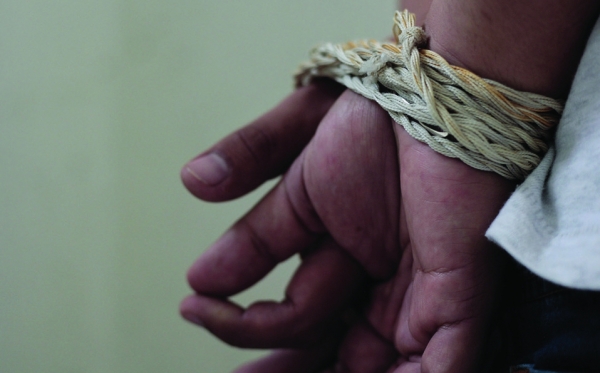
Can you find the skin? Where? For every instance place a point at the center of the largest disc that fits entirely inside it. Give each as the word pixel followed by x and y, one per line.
pixel 396 273
pixel 532 45
pixel 414 233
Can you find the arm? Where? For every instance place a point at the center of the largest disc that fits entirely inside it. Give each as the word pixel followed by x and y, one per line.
pixel 532 46
pixel 443 261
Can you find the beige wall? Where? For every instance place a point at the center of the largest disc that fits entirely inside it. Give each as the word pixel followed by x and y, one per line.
pixel 101 102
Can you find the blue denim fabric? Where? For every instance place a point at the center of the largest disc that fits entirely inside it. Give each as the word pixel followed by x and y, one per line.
pixel 550 328
pixel 528 368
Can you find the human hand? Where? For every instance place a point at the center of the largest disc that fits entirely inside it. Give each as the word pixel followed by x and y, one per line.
pixel 363 202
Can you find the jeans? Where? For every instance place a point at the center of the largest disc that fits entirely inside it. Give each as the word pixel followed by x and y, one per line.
pixel 550 328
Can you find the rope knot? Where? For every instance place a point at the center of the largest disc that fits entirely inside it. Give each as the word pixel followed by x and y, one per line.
pixel 405 31
pixel 483 123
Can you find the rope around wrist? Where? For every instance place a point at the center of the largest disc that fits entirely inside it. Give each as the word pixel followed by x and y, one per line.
pixel 485 124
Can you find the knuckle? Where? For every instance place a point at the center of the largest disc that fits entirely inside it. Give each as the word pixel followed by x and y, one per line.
pixel 256 142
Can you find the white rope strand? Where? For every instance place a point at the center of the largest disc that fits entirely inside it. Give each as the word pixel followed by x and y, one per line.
pixel 485 124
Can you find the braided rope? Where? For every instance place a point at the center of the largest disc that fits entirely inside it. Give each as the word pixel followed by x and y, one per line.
pixel 485 124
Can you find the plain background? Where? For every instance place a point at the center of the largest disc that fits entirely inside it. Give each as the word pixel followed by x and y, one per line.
pixel 101 103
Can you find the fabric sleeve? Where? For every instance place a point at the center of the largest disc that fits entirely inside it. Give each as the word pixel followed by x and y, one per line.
pixel 551 223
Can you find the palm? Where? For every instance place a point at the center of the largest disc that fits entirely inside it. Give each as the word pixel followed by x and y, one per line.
pixel 411 219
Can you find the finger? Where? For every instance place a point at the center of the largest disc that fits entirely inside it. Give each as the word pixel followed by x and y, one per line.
pixel 461 345
pixel 307 360
pixel 263 149
pixel 448 317
pixel 280 225
pixel 387 297
pixel 455 269
pixel 364 350
pixel 288 361
pixel 324 284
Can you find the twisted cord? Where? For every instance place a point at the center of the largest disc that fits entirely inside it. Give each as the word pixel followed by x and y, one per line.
pixel 485 124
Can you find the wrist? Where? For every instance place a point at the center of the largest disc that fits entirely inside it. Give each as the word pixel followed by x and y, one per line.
pixel 532 46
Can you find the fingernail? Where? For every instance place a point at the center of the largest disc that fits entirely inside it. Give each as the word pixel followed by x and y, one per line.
pixel 211 169
pixel 193 319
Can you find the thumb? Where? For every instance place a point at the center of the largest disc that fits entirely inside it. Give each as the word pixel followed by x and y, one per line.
pixel 261 150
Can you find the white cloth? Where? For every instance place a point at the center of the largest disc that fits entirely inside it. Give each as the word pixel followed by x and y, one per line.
pixel 551 223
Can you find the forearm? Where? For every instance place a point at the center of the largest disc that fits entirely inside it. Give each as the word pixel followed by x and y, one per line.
pixel 418 7
pixel 532 45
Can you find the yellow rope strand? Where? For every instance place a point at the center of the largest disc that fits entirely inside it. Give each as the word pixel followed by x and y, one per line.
pixel 485 124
